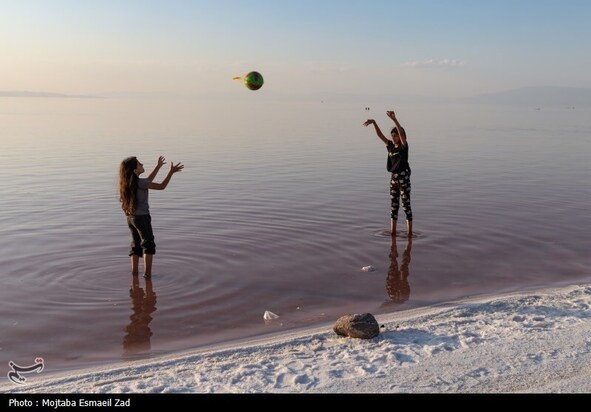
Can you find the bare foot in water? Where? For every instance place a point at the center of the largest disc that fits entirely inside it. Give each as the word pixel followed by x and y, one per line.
pixel 409 227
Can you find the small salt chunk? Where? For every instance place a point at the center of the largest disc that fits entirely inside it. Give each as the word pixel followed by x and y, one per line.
pixel 270 315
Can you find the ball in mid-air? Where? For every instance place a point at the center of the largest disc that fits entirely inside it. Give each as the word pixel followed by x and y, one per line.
pixel 253 80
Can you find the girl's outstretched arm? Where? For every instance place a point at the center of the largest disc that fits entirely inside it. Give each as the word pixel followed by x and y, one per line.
pixel 401 131
pixel 377 129
pixel 159 164
pixel 173 169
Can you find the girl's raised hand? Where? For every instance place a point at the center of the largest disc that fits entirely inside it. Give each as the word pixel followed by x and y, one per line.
pixel 368 122
pixel 391 114
pixel 161 161
pixel 176 168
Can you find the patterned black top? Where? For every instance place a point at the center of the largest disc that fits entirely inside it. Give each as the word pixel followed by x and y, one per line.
pixel 397 158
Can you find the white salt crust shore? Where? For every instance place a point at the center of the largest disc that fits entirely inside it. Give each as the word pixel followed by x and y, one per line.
pixel 523 342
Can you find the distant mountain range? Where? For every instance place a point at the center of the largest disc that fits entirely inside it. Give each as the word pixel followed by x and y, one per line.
pixel 536 96
pixel 42 94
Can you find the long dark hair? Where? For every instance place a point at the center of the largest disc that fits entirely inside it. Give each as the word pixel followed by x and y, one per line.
pixel 128 182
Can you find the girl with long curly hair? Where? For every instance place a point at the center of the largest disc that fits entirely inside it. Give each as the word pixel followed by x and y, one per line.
pixel 133 195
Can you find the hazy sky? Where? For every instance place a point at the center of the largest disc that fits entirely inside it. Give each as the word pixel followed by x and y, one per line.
pixel 419 47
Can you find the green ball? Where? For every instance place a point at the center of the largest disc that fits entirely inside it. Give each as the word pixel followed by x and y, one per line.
pixel 253 80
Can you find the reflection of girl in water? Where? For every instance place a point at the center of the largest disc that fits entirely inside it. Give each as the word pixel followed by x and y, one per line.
pixel 397 284
pixel 137 332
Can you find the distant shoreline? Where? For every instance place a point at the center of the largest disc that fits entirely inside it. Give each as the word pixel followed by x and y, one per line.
pixel 529 96
pixel 4 93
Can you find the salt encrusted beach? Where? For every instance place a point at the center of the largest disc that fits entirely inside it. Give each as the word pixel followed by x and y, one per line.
pixel 536 341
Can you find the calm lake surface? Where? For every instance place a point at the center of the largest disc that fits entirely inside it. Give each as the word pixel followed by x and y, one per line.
pixel 280 205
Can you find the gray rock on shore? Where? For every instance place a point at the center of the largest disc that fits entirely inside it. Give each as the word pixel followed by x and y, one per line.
pixel 361 326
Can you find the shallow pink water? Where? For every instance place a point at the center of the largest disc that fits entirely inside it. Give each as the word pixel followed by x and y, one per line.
pixel 274 211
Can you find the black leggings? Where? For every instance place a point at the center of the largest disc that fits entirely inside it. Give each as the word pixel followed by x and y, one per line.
pixel 400 189
pixel 142 237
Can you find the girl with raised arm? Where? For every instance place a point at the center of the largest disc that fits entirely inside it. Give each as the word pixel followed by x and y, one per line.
pixel 133 195
pixel 399 167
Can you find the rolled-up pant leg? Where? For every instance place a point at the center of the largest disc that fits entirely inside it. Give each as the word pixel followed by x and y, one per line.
pixel 142 235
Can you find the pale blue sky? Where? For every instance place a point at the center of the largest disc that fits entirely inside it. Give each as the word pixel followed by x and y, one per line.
pixel 428 47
